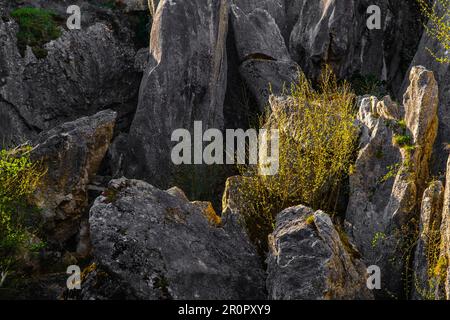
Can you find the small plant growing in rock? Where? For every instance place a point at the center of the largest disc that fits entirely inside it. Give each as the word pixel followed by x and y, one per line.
pixel 37 27
pixel 438 14
pixel 310 220
pixel 402 140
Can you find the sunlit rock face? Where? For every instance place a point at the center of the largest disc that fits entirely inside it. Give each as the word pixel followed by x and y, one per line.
pixel 390 177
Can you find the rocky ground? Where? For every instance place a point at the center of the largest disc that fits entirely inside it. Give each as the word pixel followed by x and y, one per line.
pixel 104 101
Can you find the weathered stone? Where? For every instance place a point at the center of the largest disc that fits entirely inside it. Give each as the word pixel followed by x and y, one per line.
pixel 309 260
pixel 335 33
pixel 427 251
pixel 84 72
pixel 443 270
pixel 442 74
pixel 185 83
pixel 266 77
pixel 389 179
pixel 156 245
pixel 72 154
pixel 276 8
pixel 135 5
pixel 257 36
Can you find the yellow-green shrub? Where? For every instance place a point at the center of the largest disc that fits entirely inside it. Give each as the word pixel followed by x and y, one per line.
pixel 19 178
pixel 439 24
pixel 316 149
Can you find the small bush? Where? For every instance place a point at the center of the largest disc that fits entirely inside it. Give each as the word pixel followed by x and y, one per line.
pixel 19 178
pixel 37 27
pixel 403 140
pixel 316 149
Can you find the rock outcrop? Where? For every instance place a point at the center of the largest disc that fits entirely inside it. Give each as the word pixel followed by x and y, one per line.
pixel 335 32
pixel 428 247
pixel 443 266
pixel 265 63
pixel 154 244
pixel 442 73
pixel 309 260
pixel 185 82
pixel 72 154
pixel 390 176
pixel 85 71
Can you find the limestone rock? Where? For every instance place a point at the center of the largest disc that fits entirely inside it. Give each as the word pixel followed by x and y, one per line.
pixel 72 154
pixel 85 71
pixel 185 82
pixel 308 260
pixel 442 74
pixel 154 245
pixel 428 249
pixel 335 33
pixel 390 176
pixel 444 260
pixel 265 64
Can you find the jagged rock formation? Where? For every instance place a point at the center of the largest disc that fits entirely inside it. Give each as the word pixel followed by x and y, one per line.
pixel 432 257
pixel 85 71
pixel 185 82
pixel 308 260
pixel 443 269
pixel 427 251
pixel 72 154
pixel 442 73
pixel 335 32
pixel 155 244
pixel 390 175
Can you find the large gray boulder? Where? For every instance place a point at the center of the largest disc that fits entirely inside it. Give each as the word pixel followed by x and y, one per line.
pixel 310 260
pixel 155 244
pixel 72 154
pixel 185 82
pixel 390 176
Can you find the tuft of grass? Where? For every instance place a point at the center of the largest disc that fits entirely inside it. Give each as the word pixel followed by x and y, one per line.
pixel 310 220
pixel 402 140
pixel 36 28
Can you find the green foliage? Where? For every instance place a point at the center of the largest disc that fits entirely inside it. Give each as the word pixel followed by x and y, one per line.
pixel 403 140
pixel 19 178
pixel 310 220
pixel 439 25
pixel 316 149
pixel 392 172
pixel 379 236
pixel 37 27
